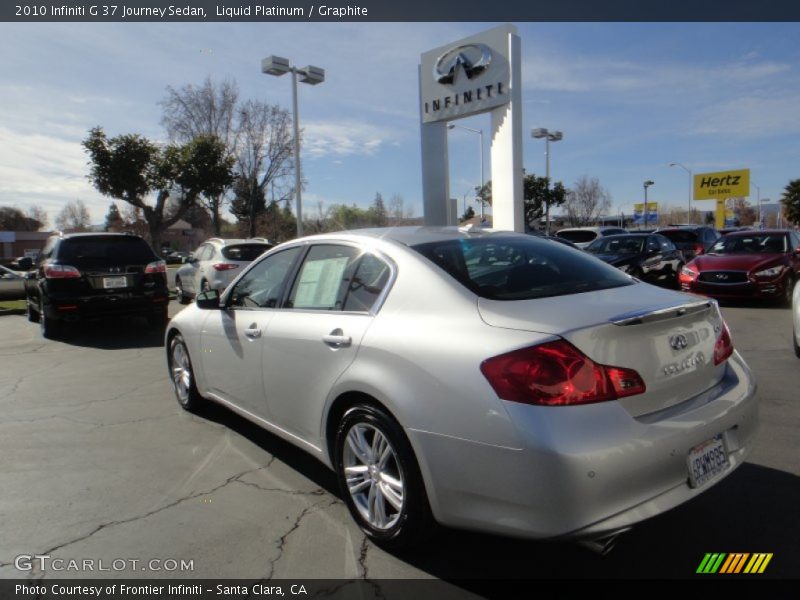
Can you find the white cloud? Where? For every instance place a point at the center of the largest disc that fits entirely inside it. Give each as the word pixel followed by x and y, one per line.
pixel 345 138
pixel 756 116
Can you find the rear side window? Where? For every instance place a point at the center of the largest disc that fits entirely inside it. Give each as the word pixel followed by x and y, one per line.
pixel 367 284
pixel 323 278
pixel 577 236
pixel 244 252
pixel 511 268
pixel 83 252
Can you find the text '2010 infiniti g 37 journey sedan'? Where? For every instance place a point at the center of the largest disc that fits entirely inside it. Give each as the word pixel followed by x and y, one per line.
pixel 485 380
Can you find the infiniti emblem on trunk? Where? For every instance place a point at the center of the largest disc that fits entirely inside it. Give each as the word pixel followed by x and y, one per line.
pixel 678 342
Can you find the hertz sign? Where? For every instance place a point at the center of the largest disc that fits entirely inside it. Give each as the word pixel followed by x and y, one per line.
pixel 722 184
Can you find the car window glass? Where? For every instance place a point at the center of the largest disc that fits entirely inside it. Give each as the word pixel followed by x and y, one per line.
pixel 244 252
pixel 666 245
pixel 208 253
pixel 263 285
pixel 324 277
pixel 199 252
pixel 514 268
pixel 368 281
pixel 105 250
pixel 653 245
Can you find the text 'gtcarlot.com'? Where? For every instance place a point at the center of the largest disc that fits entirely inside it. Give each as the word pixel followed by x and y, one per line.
pixel 43 562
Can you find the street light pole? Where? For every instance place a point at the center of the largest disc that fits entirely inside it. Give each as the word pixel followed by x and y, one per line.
pixel 691 188
pixel 758 201
pixel 480 133
pixel 549 136
pixel 647 184
pixel 277 65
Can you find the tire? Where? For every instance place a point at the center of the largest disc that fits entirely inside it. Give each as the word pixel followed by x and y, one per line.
pixel 51 329
pixel 204 286
pixel 30 312
pixel 385 493
pixel 182 375
pixel 788 289
pixel 181 295
pixel 794 343
pixel 159 319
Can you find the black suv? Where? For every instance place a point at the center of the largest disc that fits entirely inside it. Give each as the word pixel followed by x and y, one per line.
pixel 84 275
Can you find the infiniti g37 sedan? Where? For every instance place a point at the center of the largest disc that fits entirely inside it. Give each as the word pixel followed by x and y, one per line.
pixel 483 380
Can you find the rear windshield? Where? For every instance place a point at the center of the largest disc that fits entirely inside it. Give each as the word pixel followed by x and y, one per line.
pixel 680 236
pixel 577 236
pixel 101 251
pixel 618 244
pixel 244 252
pixel 773 243
pixel 520 268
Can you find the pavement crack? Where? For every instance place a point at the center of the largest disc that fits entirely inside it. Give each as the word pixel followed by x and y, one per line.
pixel 172 504
pixel 316 492
pixel 362 559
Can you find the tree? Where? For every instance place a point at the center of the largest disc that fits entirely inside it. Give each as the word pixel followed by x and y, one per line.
pixel 74 217
pixel 131 167
pixel 745 214
pixel 397 210
pixel 37 214
pixel 204 110
pixel 469 213
pixel 13 219
pixel 535 193
pixel 263 156
pixel 587 201
pixel 114 221
pixel 791 201
pixel 378 216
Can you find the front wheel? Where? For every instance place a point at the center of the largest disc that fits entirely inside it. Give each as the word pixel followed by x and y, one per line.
pixel 180 367
pixel 179 292
pixel 30 312
pixel 379 478
pixel 51 328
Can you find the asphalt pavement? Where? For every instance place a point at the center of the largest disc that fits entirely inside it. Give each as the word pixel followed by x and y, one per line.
pixel 100 463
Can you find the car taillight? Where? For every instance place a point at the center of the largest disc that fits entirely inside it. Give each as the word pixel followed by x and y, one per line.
pixel 724 346
pixel 224 266
pixel 698 249
pixel 61 272
pixel 158 266
pixel 558 374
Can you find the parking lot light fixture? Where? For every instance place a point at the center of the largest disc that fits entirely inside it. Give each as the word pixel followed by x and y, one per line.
pixel 647 184
pixel 549 136
pixel 691 188
pixel 278 65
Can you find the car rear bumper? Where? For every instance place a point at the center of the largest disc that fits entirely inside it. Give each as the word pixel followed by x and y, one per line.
pixel 585 471
pixel 70 308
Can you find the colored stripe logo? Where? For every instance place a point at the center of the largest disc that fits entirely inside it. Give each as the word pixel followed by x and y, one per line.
pixel 735 562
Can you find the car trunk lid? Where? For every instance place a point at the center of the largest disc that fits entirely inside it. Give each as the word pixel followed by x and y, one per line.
pixel 667 337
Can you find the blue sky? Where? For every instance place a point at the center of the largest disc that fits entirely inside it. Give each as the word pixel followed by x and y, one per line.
pixel 630 98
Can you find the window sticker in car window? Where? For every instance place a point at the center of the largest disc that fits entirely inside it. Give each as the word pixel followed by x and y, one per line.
pixel 320 282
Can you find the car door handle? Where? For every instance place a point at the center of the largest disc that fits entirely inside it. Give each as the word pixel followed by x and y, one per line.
pixel 252 332
pixel 337 341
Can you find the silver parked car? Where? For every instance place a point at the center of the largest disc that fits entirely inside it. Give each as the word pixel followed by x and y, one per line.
pixel 12 284
pixel 483 380
pixel 216 263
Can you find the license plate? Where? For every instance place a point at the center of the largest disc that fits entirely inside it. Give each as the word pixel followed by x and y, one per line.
pixel 707 461
pixel 115 282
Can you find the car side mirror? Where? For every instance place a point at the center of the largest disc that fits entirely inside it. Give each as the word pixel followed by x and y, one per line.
pixel 208 300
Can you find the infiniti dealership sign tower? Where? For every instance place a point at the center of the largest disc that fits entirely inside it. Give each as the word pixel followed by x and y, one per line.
pixel 477 74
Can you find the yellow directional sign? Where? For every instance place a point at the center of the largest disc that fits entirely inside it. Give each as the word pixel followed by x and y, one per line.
pixel 722 184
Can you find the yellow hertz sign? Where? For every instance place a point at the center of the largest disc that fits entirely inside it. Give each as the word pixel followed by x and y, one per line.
pixel 722 184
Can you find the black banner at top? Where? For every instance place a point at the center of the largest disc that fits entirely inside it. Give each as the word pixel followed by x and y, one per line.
pixel 394 10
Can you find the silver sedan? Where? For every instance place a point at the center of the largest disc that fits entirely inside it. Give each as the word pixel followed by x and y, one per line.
pixel 482 380
pixel 12 284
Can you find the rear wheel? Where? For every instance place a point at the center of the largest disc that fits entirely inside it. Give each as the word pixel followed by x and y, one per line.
pixel 51 328
pixel 180 366
pixel 30 312
pixel 794 343
pixel 379 478
pixel 181 295
pixel 788 290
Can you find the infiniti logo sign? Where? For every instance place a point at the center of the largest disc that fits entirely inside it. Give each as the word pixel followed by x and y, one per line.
pixel 473 59
pixel 678 342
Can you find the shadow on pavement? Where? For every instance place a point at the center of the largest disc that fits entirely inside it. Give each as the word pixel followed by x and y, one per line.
pixel 112 334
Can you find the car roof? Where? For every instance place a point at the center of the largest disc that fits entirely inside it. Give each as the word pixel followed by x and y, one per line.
pixel 758 232
pixel 413 235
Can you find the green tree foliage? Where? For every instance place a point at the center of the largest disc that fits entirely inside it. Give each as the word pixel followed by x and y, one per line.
pixel 379 217
pixel 791 201
pixel 13 219
pixel 131 168
pixel 535 195
pixel 114 220
pixel 249 202
pixel 468 214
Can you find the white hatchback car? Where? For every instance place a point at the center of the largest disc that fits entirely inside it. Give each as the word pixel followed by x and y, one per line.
pixel 216 263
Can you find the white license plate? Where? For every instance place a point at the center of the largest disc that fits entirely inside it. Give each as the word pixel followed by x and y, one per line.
pixel 115 282
pixel 707 461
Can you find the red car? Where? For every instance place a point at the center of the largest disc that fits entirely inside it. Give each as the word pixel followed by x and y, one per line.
pixel 746 264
